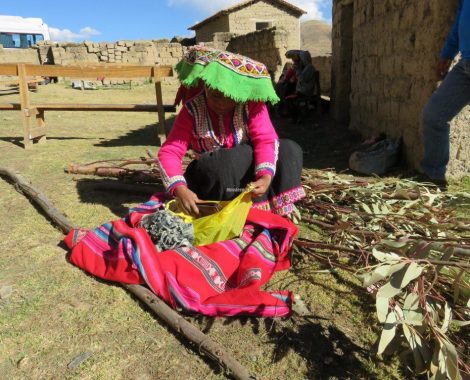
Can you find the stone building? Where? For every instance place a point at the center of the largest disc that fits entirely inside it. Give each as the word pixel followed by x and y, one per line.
pixel 383 70
pixel 250 16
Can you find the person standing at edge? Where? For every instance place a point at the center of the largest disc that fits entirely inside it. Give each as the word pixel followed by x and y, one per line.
pixel 448 100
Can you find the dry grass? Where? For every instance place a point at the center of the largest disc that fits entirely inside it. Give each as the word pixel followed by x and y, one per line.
pixel 56 312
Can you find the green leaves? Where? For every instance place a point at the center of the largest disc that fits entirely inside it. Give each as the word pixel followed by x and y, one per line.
pixel 385 257
pixel 415 249
pixel 381 305
pixel 420 350
pixel 380 273
pixel 398 273
pixel 389 331
pixel 412 312
pixel 400 280
pixel 445 361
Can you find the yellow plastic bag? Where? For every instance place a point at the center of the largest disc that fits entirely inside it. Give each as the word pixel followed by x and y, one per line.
pixel 222 225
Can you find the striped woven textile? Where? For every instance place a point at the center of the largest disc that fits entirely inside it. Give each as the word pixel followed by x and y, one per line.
pixel 220 279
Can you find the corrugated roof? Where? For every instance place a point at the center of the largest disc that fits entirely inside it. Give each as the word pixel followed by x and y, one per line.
pixel 244 4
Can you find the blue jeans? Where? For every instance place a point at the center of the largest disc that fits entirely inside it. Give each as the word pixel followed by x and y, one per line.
pixel 447 101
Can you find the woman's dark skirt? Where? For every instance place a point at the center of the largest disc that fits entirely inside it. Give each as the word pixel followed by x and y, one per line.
pixel 223 174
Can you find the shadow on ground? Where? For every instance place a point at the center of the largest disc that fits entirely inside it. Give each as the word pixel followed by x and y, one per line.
pixel 92 191
pixel 18 141
pixel 326 350
pixel 142 136
pixel 326 144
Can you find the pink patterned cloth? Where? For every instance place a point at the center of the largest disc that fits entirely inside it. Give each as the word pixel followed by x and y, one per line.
pixel 198 127
pixel 220 279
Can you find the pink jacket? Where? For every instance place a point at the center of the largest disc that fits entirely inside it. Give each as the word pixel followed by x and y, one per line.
pixel 198 127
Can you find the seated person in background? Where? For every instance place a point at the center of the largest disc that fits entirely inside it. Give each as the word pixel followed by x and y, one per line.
pixel 305 73
pixel 228 127
pixel 288 80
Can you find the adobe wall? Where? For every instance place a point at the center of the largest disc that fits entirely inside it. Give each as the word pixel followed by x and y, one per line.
pixel 323 65
pixel 394 50
pixel 18 55
pixel 244 21
pixel 268 46
pixel 160 52
pixel 206 32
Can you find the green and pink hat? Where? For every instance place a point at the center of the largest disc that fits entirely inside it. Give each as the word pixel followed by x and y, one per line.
pixel 238 77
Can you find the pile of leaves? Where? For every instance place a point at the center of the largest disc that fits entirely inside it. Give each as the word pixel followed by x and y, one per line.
pixel 411 249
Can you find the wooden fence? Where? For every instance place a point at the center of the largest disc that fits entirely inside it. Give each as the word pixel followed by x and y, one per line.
pixel 29 110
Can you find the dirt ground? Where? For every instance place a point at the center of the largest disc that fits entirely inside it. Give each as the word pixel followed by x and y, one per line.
pixel 51 312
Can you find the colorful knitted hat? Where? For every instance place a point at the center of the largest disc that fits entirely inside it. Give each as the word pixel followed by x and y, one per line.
pixel 236 76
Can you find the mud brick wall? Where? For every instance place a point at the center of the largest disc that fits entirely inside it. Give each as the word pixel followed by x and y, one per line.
pixel 18 55
pixel 160 52
pixel 323 65
pixel 243 21
pixel 268 46
pixel 206 32
pixel 383 70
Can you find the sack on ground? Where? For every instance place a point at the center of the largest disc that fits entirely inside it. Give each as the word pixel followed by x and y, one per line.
pixel 377 159
pixel 222 225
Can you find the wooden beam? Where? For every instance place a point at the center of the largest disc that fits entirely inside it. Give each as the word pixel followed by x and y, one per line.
pixel 37 132
pixel 40 130
pixel 102 107
pixel 161 113
pixel 9 69
pixel 164 71
pixel 10 107
pixel 25 106
pixel 93 72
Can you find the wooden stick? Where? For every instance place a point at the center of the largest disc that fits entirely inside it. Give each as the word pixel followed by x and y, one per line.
pixel 306 244
pixel 116 172
pixel 161 115
pixel 179 325
pixel 182 326
pixel 25 106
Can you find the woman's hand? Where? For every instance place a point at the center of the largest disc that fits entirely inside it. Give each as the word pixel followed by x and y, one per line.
pixel 261 185
pixel 187 200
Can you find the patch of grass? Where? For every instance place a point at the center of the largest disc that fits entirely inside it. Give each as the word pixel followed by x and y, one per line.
pixel 57 312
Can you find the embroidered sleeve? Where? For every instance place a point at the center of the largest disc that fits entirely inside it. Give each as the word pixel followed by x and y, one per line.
pixel 264 139
pixel 170 155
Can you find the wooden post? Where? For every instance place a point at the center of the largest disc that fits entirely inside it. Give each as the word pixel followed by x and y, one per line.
pixel 25 106
pixel 41 126
pixel 161 112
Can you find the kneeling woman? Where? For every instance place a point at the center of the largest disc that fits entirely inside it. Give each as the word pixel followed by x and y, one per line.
pixel 228 128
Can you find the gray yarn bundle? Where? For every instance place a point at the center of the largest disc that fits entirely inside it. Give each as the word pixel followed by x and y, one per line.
pixel 167 231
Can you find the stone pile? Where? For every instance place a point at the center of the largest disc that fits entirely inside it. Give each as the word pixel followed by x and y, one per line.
pixel 160 52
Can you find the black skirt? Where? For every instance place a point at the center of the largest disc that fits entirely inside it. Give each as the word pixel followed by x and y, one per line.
pixel 224 173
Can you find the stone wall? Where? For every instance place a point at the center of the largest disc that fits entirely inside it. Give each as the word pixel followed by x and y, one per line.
pixel 384 58
pixel 268 46
pixel 161 52
pixel 18 55
pixel 342 47
pixel 323 65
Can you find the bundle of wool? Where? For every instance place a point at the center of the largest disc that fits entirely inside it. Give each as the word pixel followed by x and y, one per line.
pixel 168 231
